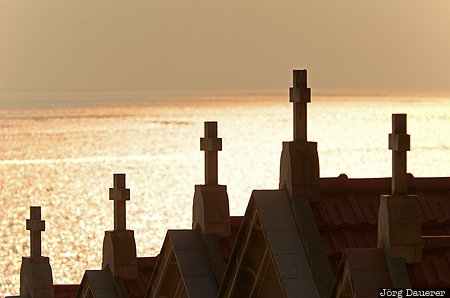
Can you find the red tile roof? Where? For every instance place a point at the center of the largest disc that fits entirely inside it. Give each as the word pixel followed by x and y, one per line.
pixel 65 291
pixel 347 217
pixel 434 271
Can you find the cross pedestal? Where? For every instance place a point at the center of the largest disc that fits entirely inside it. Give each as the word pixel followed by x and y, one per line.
pixel 210 211
pixel 299 176
pixel 399 223
pixel 299 166
pixel 119 245
pixel 36 279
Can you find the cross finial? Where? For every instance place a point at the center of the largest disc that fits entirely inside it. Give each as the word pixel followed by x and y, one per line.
pixel 35 225
pixel 211 144
pixel 300 95
pixel 119 194
pixel 399 143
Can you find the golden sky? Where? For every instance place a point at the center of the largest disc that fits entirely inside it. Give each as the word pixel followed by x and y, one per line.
pixel 178 45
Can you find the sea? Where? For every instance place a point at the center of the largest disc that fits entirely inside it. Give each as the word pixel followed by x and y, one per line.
pixel 61 154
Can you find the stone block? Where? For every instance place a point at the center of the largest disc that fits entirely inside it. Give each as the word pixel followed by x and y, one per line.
pixel 300 95
pixel 399 123
pixel 35 225
pixel 210 128
pixel 211 211
pixel 211 144
pixel 36 279
pixel 299 169
pixel 399 227
pixel 119 253
pixel 299 92
pixel 119 194
pixel 399 142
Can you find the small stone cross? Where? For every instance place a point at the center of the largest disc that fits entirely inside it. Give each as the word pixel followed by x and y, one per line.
pixel 399 143
pixel 211 144
pixel 300 95
pixel 35 225
pixel 119 194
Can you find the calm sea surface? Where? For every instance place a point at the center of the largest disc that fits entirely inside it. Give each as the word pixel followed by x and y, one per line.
pixel 63 159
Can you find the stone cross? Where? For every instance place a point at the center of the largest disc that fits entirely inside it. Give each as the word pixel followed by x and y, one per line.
pixel 300 95
pixel 35 225
pixel 211 144
pixel 399 143
pixel 119 194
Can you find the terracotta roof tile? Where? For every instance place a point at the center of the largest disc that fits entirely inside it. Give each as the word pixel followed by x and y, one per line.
pixel 433 271
pixel 347 216
pixel 65 291
pixel 339 211
pixel 365 238
pixel 336 241
pixel 427 216
pixel 436 242
pixel 439 203
pixel 433 183
pixel 369 203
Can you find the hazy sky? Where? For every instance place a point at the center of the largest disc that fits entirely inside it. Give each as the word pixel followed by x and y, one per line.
pixel 181 45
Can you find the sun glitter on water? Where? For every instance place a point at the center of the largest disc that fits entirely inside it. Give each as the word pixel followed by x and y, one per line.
pixel 64 159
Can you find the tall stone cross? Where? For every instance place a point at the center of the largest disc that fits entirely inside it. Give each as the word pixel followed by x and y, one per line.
pixel 119 194
pixel 399 143
pixel 300 95
pixel 211 144
pixel 35 225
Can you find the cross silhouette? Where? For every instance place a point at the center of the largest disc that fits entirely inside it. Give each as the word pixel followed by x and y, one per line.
pixel 211 144
pixel 35 225
pixel 399 143
pixel 300 95
pixel 119 194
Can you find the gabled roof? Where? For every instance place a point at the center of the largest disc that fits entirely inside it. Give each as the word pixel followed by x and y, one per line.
pixel 269 257
pixel 347 217
pixel 98 284
pixel 183 268
pixel 361 273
